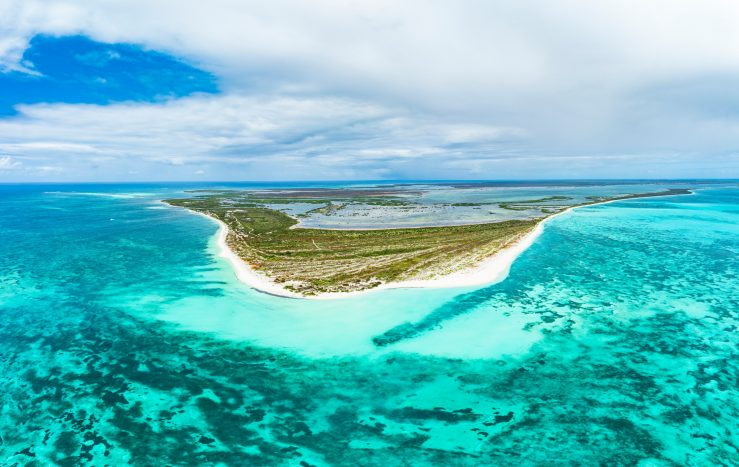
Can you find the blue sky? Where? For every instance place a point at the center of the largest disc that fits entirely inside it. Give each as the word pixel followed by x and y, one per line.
pixel 78 70
pixel 367 90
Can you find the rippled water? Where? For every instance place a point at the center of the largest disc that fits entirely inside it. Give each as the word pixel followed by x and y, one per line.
pixel 431 203
pixel 125 339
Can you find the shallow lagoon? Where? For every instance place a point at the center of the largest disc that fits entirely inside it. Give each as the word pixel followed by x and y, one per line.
pixel 125 339
pixel 439 204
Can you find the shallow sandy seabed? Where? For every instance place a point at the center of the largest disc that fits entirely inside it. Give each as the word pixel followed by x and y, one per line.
pixel 489 271
pixel 611 342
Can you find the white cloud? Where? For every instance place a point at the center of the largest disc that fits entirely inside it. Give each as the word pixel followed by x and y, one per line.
pixel 476 133
pixel 47 169
pixel 46 147
pixel 265 137
pixel 7 163
pixel 479 50
pixel 370 87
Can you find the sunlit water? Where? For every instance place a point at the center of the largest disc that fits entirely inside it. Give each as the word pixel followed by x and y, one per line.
pixel 432 204
pixel 125 339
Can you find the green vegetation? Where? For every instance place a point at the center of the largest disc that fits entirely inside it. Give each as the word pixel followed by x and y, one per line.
pixel 312 261
pixel 544 200
pixel 327 210
pixel 259 200
pixel 323 196
pixel 383 201
pixel 527 204
pixel 468 204
pixel 512 207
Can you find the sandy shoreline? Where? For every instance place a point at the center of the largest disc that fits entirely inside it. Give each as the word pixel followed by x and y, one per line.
pixel 490 271
pixel 243 271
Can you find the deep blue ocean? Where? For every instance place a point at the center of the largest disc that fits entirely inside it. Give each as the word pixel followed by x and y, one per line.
pixel 126 340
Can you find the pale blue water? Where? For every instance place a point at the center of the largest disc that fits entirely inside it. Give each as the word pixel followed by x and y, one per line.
pixel 124 339
pixel 432 206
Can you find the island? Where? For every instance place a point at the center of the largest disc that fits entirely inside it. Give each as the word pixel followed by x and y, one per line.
pixel 273 253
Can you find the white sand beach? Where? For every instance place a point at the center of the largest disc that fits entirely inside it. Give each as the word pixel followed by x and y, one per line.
pixel 490 271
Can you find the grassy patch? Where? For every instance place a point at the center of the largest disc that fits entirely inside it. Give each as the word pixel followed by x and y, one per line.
pixel 312 261
pixel 527 204
pixel 322 260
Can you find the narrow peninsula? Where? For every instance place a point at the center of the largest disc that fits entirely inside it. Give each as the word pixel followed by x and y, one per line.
pixel 281 257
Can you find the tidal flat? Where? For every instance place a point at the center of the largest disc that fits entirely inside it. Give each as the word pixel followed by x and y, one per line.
pixel 313 261
pixel 126 340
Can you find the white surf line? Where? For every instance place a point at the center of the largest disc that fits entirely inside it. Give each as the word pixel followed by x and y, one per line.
pixel 244 272
pixel 489 271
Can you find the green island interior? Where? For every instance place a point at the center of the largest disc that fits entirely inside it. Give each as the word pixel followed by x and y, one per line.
pixel 311 261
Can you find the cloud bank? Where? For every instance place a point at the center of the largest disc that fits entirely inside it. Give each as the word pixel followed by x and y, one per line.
pixel 380 89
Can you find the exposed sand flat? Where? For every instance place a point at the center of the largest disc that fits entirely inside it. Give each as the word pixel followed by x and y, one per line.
pixel 482 269
pixel 489 271
pixel 243 271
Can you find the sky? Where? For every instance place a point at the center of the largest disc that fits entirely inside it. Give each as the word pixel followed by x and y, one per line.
pixel 181 90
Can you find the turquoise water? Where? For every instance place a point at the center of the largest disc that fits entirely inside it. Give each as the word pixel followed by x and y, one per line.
pixel 431 206
pixel 126 340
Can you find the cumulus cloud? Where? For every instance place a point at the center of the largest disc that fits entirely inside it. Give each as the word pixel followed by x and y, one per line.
pixel 7 163
pixel 370 88
pixel 264 137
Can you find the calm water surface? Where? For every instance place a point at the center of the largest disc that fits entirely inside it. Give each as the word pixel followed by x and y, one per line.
pixel 124 339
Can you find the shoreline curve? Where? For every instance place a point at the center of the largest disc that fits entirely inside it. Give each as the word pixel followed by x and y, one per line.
pixel 489 271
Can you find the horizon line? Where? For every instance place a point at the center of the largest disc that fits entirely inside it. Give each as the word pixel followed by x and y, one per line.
pixel 384 180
